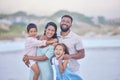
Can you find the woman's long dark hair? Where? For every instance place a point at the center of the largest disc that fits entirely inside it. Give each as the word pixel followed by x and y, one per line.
pixel 54 25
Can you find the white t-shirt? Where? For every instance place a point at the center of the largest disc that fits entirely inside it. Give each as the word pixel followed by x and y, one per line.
pixel 74 43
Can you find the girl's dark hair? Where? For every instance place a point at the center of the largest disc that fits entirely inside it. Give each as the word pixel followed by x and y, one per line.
pixel 54 25
pixel 68 17
pixel 31 25
pixel 65 48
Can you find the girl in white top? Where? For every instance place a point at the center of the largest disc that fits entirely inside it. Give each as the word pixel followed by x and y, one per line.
pixel 30 48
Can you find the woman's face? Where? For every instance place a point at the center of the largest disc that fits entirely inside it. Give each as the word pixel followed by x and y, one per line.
pixel 50 31
pixel 58 51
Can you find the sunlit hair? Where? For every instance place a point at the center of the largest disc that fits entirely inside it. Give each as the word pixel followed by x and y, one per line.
pixel 68 17
pixel 54 25
pixel 65 48
pixel 31 25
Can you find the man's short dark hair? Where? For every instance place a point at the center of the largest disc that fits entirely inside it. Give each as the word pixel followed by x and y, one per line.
pixel 68 17
pixel 31 25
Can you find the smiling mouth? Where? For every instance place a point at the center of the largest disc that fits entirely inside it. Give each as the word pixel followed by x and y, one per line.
pixel 64 25
pixel 50 35
pixel 57 54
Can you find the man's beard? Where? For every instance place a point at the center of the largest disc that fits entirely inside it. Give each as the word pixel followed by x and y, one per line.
pixel 64 29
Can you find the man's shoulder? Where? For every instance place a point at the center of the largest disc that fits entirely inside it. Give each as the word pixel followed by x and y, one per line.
pixel 58 33
pixel 74 34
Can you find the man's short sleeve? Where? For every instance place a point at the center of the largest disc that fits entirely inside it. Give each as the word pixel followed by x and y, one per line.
pixel 79 44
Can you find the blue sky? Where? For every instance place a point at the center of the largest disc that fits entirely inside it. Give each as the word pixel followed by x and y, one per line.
pixel 107 8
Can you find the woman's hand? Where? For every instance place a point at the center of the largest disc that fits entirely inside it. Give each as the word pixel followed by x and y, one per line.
pixel 26 60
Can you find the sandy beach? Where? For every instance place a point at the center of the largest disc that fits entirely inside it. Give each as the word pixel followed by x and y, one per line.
pixel 99 64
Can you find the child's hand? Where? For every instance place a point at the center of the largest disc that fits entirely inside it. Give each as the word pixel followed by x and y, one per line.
pixel 54 44
pixel 52 41
pixel 40 37
pixel 55 40
pixel 61 57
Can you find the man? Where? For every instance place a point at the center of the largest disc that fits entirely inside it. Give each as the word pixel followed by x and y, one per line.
pixel 72 41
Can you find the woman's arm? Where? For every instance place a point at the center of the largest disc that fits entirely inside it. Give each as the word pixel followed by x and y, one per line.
pixel 62 65
pixel 38 58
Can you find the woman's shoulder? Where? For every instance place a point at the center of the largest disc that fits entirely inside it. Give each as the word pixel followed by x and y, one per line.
pixel 51 46
pixel 47 47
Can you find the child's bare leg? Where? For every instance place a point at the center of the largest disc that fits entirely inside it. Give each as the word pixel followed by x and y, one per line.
pixel 36 71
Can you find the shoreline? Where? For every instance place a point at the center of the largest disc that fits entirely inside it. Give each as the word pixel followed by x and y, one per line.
pixel 95 48
pixel 82 37
pixel 88 43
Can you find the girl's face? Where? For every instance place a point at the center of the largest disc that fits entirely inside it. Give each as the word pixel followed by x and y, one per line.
pixel 58 51
pixel 32 32
pixel 50 31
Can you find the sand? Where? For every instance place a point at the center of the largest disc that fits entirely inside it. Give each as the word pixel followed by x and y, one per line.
pixel 98 64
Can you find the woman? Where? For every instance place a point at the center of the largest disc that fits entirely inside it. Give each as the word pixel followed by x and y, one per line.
pixel 45 53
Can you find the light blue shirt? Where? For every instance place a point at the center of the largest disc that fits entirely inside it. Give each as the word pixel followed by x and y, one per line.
pixel 46 71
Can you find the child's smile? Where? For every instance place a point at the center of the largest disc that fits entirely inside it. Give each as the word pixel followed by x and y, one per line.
pixel 58 51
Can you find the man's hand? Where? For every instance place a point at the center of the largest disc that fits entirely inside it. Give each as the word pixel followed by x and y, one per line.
pixel 67 56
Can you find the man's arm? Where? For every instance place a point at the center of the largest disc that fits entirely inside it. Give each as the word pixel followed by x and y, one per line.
pixel 79 55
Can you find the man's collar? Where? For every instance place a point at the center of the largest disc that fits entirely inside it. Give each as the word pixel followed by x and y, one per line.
pixel 69 34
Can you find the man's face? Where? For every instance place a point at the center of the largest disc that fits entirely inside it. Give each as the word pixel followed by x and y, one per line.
pixel 65 24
